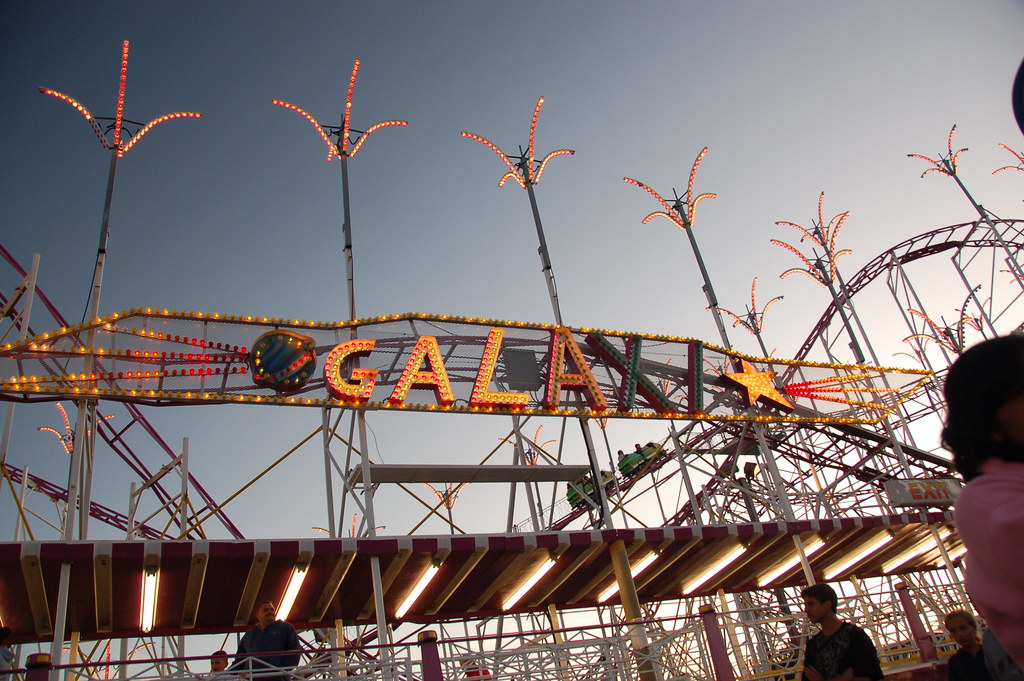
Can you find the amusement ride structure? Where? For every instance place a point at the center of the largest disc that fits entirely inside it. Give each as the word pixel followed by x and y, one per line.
pixel 681 556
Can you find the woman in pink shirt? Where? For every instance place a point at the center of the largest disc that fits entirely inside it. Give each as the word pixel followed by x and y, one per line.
pixel 985 431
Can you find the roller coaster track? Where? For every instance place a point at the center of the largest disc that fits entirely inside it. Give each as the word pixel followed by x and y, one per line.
pixel 832 441
pixel 115 438
pixel 952 238
pixel 60 495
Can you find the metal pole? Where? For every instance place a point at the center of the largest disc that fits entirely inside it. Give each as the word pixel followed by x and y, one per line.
pixel 595 473
pixel 101 253
pixel 183 471
pixel 86 407
pixel 631 608
pixel 24 316
pixel 695 508
pixel 22 518
pixel 328 476
pixel 805 564
pixel 855 346
pixel 709 290
pixel 716 644
pixel 925 645
pixel 858 354
pixel 773 470
pixel 346 230
pixel 383 633
pixel 545 259
pixel 60 619
pixel 518 459
pixel 954 578
pixel 986 218
pixel 79 466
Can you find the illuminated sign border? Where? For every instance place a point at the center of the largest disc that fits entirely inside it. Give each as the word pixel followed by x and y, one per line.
pixel 738 386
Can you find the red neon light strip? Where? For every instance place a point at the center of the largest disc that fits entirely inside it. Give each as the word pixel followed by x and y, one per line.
pixel 670 212
pixel 82 110
pixel 348 107
pixel 373 128
pixel 533 132
pixel 120 95
pixel 500 153
pixel 153 123
pixel 544 163
pixel 332 149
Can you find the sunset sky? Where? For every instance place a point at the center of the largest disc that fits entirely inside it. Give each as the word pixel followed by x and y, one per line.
pixel 238 212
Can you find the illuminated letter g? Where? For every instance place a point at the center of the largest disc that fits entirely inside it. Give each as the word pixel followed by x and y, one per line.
pixel 359 386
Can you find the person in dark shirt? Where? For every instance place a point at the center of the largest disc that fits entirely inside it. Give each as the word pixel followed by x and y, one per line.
pixel 840 650
pixel 270 635
pixel 968 663
pixel 6 656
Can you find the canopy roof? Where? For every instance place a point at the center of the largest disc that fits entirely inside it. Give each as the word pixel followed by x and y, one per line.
pixel 214 586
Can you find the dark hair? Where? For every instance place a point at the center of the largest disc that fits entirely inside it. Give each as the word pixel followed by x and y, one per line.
pixel 964 615
pixel 979 382
pixel 4 633
pixel 219 653
pixel 822 593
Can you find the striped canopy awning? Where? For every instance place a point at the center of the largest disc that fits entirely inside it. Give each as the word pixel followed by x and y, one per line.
pixel 214 586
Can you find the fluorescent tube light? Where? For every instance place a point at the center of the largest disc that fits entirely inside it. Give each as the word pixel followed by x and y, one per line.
pixel 869 549
pixel 150 579
pixel 292 591
pixel 421 584
pixel 913 552
pixel 714 569
pixel 812 547
pixel 528 584
pixel 633 571
pixel 956 553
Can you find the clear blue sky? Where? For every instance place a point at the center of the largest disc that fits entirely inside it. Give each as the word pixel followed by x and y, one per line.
pixel 239 213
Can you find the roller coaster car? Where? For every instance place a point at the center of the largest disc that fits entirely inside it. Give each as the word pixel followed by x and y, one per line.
pixel 633 462
pixel 585 486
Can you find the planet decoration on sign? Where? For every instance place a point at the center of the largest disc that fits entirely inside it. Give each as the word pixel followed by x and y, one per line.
pixel 282 360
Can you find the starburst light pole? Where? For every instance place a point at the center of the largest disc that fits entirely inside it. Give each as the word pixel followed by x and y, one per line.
pixel 1017 155
pixel 824 271
pixel 947 165
pixel 79 474
pixel 682 212
pixel 527 171
pixel 123 141
pixel 950 340
pixel 344 148
pixel 448 497
pixel 753 320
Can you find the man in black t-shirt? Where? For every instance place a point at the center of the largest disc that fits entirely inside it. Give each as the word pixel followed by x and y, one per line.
pixel 840 651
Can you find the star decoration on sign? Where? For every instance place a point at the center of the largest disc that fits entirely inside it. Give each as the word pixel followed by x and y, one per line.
pixel 758 385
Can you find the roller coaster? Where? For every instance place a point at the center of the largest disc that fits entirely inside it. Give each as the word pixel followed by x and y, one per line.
pixel 680 559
